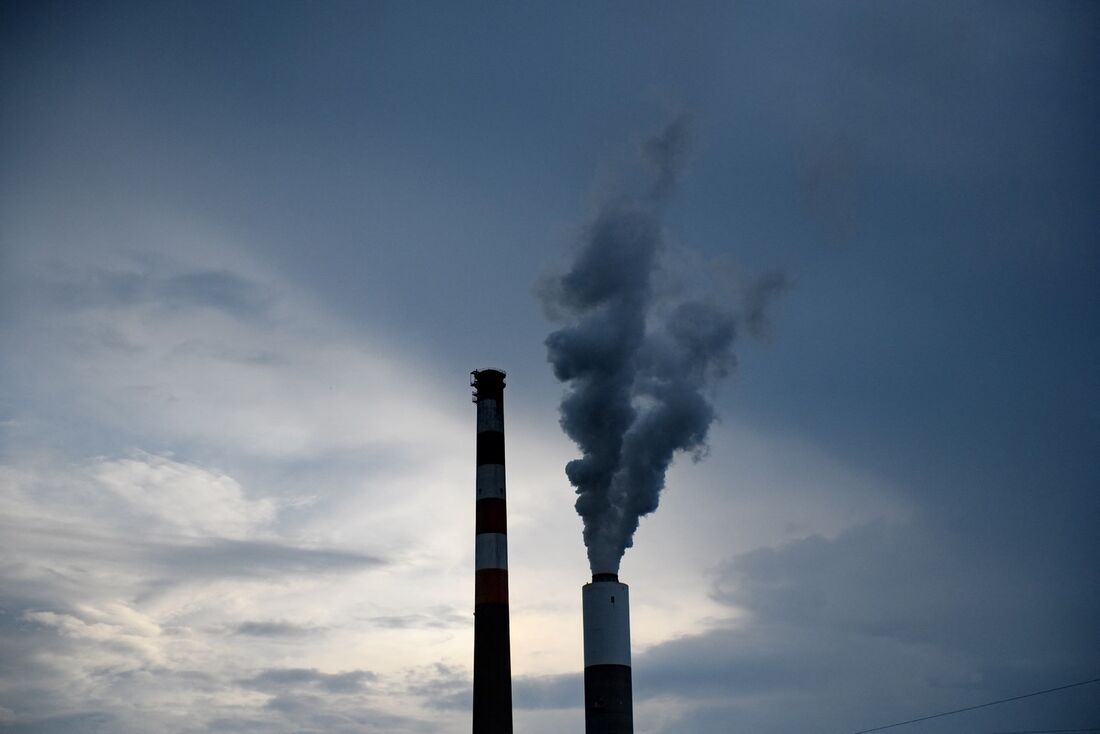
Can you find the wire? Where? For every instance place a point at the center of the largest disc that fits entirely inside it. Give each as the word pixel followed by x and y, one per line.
pixel 980 706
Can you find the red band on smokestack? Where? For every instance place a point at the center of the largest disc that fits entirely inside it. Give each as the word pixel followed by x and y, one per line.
pixel 491 586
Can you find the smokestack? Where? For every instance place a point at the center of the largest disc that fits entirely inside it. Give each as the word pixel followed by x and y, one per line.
pixel 608 698
pixel 492 657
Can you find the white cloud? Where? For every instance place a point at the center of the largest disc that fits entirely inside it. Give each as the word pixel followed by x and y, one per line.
pixel 113 626
pixel 184 498
pixel 202 385
pixel 174 334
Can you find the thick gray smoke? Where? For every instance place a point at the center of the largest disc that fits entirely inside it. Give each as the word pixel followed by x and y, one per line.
pixel 638 368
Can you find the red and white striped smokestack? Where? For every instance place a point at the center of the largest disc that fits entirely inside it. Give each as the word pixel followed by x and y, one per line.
pixel 492 656
pixel 608 696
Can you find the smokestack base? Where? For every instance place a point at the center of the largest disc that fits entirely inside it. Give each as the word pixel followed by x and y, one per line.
pixel 607 700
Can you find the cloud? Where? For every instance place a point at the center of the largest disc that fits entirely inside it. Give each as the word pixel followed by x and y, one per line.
pixel 441 686
pixel 219 289
pixel 184 498
pixel 667 152
pixel 85 721
pixel 124 636
pixel 159 520
pixel 160 542
pixel 832 177
pixel 903 581
pixel 943 142
pixel 300 712
pixel 436 618
pixel 142 284
pixel 207 347
pixel 254 559
pixel 119 585
pixel 283 679
pixel 883 620
pixel 562 691
pixel 276 629
pixel 757 298
pixel 158 565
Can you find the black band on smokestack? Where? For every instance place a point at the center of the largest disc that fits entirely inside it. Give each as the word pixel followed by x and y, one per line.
pixel 607 700
pixel 492 655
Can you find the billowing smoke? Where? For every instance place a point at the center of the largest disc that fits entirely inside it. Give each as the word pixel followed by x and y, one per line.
pixel 639 367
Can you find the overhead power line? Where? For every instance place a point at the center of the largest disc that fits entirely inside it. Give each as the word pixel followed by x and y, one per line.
pixel 982 706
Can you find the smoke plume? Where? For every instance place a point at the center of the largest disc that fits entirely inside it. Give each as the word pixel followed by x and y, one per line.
pixel 638 368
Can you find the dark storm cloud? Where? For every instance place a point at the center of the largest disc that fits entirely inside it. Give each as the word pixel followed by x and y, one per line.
pixel 638 368
pixel 881 622
pixel 901 583
pixel 883 615
pixel 947 146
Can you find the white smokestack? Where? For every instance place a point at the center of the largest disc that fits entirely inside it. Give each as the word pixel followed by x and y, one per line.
pixel 608 698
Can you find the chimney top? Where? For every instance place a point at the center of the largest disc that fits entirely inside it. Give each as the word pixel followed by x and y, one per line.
pixel 487 383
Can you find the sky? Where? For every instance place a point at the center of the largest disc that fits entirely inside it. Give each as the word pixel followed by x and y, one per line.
pixel 250 252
